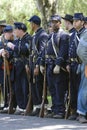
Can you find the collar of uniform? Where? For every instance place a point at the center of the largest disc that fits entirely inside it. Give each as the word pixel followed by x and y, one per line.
pixel 80 31
pixel 10 40
pixel 56 30
pixel 25 35
pixel 38 29
pixel 72 30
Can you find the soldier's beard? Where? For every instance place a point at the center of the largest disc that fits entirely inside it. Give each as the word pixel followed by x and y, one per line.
pixel 55 29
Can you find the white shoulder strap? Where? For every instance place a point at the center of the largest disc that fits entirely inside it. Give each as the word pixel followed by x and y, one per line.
pixel 53 46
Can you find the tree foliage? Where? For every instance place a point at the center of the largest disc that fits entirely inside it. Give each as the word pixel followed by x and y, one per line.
pixel 22 10
pixel 17 10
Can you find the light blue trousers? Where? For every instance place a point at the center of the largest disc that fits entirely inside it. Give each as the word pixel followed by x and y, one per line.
pixel 82 94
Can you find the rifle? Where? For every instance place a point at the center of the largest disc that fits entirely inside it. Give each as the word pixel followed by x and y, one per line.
pixel 10 110
pixel 7 76
pixel 41 114
pixel 69 100
pixel 0 95
pixel 29 106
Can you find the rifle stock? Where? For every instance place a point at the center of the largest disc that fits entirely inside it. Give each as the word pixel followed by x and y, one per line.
pixel 68 110
pixel 10 111
pixel 41 114
pixel 0 95
pixel 4 78
pixel 68 105
pixel 7 73
pixel 29 106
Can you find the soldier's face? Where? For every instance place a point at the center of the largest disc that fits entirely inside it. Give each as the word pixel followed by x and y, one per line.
pixel 85 25
pixel 17 32
pixel 66 23
pixel 78 24
pixel 55 25
pixel 32 26
pixel 8 35
pixel 50 29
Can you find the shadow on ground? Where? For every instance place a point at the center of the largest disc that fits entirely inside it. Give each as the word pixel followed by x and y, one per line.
pixel 14 122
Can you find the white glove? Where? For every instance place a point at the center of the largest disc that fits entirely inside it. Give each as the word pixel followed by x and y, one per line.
pixel 42 69
pixel 1 51
pixel 10 45
pixel 56 69
pixel 5 53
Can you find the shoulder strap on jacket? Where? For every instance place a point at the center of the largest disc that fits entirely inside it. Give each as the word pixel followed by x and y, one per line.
pixel 56 47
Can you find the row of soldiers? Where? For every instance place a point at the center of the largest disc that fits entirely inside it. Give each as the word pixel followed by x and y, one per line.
pixel 30 56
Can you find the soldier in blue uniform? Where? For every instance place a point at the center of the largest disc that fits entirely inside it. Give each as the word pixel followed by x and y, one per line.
pixel 74 62
pixel 5 51
pixel 68 21
pixel 20 49
pixel 2 25
pixel 56 55
pixel 39 40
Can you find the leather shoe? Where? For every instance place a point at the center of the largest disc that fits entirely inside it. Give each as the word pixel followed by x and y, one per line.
pixel 35 113
pixel 82 119
pixel 72 117
pixel 58 116
pixel 49 115
pixel 18 113
pixel 1 108
pixel 3 111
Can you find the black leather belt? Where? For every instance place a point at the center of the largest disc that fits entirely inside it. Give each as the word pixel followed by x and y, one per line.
pixel 50 56
pixel 73 60
pixel 17 59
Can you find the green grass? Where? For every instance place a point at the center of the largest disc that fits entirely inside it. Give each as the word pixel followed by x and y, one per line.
pixel 49 100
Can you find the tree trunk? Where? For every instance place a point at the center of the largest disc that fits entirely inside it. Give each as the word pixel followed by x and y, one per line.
pixel 47 9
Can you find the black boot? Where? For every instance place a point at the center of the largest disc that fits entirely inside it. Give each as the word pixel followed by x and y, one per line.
pixel 35 113
pixel 73 115
pixel 82 119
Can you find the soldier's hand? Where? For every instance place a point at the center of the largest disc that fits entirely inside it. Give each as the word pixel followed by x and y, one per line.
pixel 5 53
pixel 86 71
pixel 27 69
pixel 68 68
pixel 42 69
pixel 1 50
pixel 36 71
pixel 10 45
pixel 56 69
